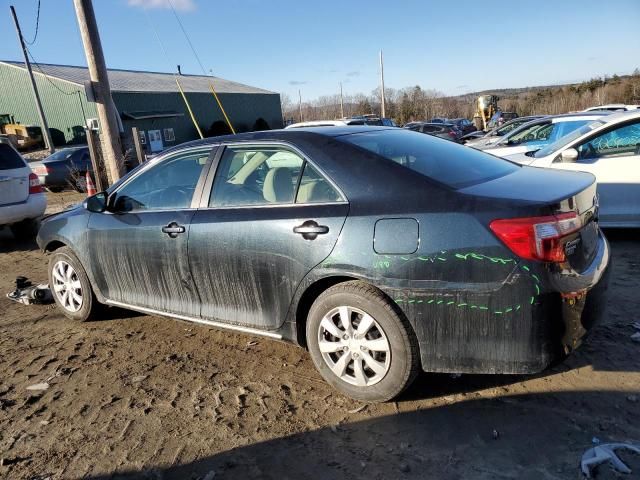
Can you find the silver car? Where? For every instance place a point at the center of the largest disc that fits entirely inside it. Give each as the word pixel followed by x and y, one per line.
pixel 609 148
pixel 539 133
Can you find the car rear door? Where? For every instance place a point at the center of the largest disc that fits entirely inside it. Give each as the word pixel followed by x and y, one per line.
pixel 269 217
pixel 14 177
pixel 139 246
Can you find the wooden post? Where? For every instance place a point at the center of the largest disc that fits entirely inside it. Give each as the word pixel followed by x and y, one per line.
pixel 109 132
pixel 46 134
pixel 139 148
pixel 96 159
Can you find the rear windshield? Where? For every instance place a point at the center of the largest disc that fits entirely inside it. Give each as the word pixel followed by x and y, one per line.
pixel 9 158
pixel 441 160
pixel 61 155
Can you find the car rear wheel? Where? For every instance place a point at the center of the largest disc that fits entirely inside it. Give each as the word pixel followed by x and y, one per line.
pixel 70 286
pixel 361 343
pixel 26 229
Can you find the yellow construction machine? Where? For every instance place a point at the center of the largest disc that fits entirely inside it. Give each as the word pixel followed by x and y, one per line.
pixel 23 137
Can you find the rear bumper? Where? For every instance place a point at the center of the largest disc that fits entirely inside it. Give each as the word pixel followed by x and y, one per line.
pixel 33 207
pixel 533 318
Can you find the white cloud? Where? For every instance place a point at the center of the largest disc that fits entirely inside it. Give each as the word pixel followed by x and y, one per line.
pixel 180 5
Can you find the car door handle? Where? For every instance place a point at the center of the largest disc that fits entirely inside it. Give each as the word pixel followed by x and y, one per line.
pixel 173 229
pixel 310 230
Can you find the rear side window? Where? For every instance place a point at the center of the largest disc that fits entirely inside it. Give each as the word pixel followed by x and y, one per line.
pixel 443 161
pixel 9 158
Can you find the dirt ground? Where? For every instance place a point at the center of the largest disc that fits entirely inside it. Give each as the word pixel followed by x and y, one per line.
pixel 135 396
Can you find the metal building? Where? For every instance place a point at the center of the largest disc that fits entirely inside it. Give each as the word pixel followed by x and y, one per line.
pixel 148 100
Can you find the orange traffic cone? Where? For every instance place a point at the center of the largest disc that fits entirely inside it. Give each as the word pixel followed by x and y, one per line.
pixel 91 188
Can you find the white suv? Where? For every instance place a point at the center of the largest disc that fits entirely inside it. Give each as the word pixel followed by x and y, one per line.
pixel 22 198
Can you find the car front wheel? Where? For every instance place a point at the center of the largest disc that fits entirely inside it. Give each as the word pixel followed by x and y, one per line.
pixel 70 286
pixel 361 343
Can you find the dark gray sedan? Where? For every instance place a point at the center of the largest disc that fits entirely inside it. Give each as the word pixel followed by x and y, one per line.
pixel 382 251
pixel 448 131
pixel 65 168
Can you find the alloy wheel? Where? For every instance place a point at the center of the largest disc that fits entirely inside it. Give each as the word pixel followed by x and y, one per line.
pixel 354 346
pixel 66 286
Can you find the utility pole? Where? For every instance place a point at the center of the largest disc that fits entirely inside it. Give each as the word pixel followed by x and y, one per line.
pixel 109 131
pixel 341 102
pixel 382 112
pixel 46 134
pixel 300 104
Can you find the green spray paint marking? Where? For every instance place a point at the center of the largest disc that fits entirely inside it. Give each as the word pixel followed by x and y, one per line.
pixel 480 257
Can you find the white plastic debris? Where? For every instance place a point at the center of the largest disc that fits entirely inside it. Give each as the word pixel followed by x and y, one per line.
pixel 636 337
pixel 37 387
pixel 606 453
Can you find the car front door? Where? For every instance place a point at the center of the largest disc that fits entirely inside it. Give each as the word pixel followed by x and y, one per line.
pixel 139 245
pixel 613 156
pixel 270 217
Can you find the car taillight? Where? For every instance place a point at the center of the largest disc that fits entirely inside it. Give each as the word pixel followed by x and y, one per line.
pixel 537 238
pixel 452 134
pixel 34 184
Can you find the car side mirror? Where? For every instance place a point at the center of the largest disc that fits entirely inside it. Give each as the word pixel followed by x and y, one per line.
pixel 96 203
pixel 570 155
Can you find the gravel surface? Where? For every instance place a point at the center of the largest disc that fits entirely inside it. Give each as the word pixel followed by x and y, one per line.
pixel 136 396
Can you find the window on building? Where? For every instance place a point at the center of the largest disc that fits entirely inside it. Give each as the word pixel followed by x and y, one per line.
pixel 169 136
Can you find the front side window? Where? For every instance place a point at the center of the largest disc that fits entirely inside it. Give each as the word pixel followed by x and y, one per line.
pixel 267 175
pixel 166 186
pixel 619 142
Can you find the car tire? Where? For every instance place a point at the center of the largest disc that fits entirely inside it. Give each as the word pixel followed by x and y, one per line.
pixel 372 361
pixel 26 229
pixel 70 286
pixel 55 189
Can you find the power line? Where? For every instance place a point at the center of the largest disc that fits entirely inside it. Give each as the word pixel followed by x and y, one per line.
pixel 195 54
pixel 184 97
pixel 33 60
pixel 37 24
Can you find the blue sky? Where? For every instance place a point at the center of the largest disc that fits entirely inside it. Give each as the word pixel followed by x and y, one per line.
pixel 285 45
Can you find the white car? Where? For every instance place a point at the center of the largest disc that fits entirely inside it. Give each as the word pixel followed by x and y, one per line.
pixel 539 133
pixel 609 148
pixel 328 123
pixel 613 107
pixel 22 198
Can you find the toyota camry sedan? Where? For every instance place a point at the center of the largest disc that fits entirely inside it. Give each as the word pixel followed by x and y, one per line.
pixel 380 250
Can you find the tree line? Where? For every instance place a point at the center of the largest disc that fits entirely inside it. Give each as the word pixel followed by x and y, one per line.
pixel 416 103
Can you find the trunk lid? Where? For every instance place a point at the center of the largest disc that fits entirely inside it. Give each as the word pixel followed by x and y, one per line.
pixel 14 176
pixel 540 192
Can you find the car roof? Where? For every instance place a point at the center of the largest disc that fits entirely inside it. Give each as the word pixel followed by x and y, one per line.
pixel 281 135
pixel 621 116
pixel 318 123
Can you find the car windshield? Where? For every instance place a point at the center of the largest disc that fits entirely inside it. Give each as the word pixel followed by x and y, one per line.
pixel 567 139
pixel 440 160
